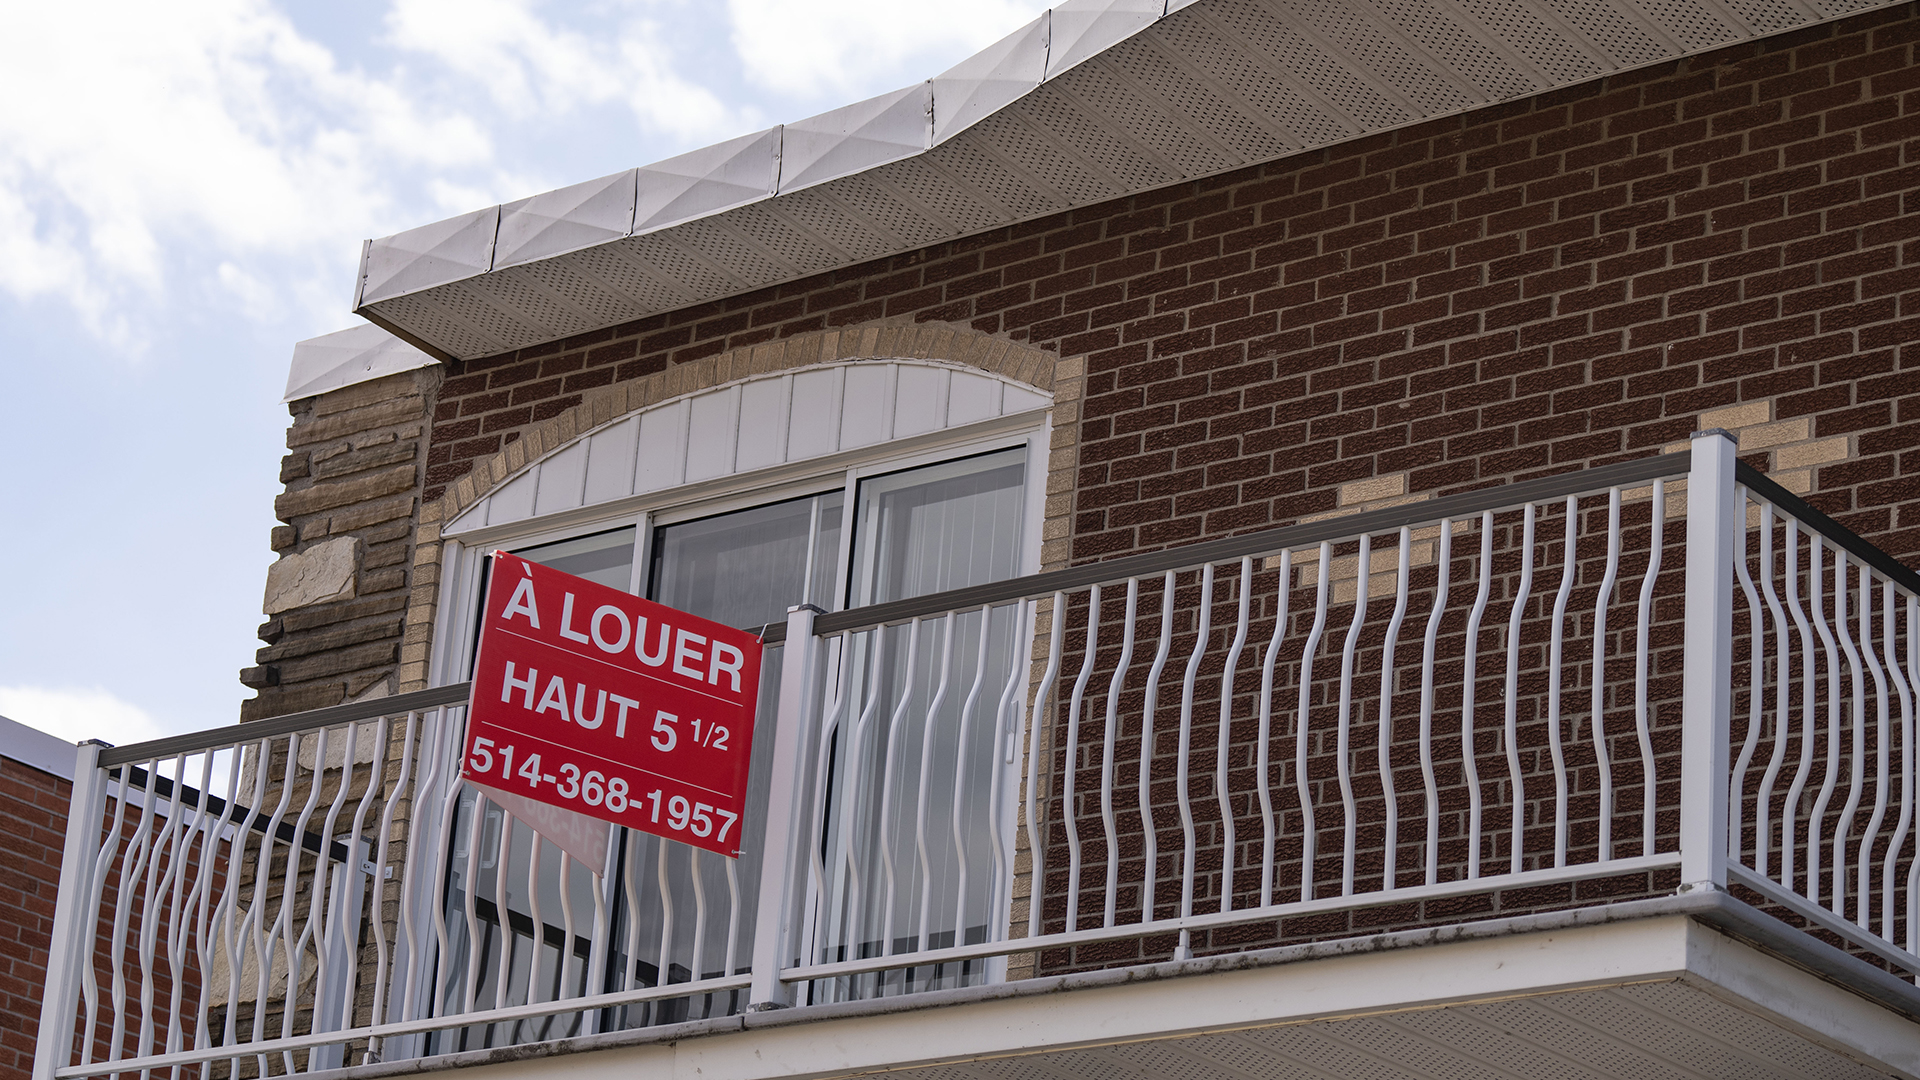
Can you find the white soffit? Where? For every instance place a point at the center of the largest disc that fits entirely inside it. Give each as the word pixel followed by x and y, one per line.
pixel 1094 100
pixel 355 355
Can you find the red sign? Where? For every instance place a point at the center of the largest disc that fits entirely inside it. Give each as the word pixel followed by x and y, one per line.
pixel 592 700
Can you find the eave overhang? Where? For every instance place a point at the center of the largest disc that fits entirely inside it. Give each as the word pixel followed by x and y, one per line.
pixel 1092 101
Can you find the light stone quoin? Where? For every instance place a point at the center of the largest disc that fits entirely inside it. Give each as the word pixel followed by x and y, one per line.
pixel 321 574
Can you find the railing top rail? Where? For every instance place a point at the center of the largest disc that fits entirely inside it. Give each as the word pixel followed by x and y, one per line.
pixel 1860 547
pixel 194 741
pixel 1192 556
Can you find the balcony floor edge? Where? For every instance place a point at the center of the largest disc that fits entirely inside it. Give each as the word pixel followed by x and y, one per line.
pixel 1705 951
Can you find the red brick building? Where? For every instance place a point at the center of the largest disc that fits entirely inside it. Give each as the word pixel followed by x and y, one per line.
pixel 1229 472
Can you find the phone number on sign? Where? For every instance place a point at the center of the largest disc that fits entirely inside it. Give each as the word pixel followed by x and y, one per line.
pixel 595 789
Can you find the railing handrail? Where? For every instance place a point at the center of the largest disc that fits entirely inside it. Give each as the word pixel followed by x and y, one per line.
pixel 252 730
pixel 1186 557
pixel 1227 548
pixel 1858 546
pixel 1030 586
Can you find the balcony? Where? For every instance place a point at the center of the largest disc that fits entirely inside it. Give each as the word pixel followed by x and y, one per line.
pixel 1606 773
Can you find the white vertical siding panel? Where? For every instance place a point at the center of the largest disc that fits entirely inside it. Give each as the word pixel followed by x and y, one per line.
pixel 920 399
pixel 562 478
pixel 712 429
pixel 814 430
pixel 971 398
pixel 763 424
pixel 514 500
pixel 610 462
pixel 661 458
pixel 866 410
pixel 1018 399
pixel 752 425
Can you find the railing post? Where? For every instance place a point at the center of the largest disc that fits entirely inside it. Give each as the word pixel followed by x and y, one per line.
pixel 1713 526
pixel 72 942
pixel 773 925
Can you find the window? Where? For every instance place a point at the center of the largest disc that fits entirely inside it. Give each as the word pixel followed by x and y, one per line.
pixel 881 530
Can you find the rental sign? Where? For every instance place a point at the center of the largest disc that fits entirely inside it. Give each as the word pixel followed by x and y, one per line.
pixel 592 700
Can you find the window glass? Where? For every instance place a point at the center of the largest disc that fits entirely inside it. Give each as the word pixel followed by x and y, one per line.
pixel 747 568
pixel 942 527
pixel 605 558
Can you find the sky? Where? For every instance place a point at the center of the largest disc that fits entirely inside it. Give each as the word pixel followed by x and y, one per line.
pixel 184 189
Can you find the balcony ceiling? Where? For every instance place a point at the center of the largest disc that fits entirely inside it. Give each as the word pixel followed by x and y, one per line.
pixel 1094 100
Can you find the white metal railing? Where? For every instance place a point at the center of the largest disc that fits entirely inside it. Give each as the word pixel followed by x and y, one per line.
pixel 1303 698
pixel 1160 756
pixel 1826 671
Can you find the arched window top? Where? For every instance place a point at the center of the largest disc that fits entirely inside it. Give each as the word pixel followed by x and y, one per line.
pixel 786 418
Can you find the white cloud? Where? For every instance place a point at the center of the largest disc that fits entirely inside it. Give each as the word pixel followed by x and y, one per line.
pixel 206 126
pixel 863 47
pixel 79 715
pixel 529 66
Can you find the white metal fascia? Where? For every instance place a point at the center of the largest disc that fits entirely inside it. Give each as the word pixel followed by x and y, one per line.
pixel 981 146
pixel 345 357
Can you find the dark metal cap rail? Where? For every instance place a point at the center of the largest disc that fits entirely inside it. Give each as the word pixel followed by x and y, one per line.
pixel 1193 556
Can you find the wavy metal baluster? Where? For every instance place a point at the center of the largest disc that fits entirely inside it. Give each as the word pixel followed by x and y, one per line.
pixel 1431 788
pixel 1349 826
pixel 1556 640
pixel 1228 846
pixel 335 928
pixel 1756 699
pixel 1602 600
pixel 1825 628
pixel 381 853
pixel 1389 873
pixel 1149 829
pixel 164 863
pixel 102 859
pixel 1469 682
pixel 135 867
pixel 1782 693
pixel 1857 642
pixel 1863 888
pixel 1809 736
pixel 1902 686
pixel 1107 753
pixel 957 812
pixel 1308 835
pixel 1036 878
pixel 850 860
pixel 1263 749
pixel 1517 854
pixel 884 828
pixel 1070 774
pixel 818 899
pixel 925 780
pixel 1203 629
pixel 1642 655
pixel 317 900
pixel 1006 738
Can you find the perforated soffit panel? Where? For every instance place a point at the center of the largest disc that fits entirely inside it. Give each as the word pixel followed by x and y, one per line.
pixel 1093 100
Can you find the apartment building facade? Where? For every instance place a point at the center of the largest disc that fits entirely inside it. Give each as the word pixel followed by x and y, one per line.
pixel 1293 540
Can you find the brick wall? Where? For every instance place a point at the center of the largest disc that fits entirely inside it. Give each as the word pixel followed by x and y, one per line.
pixel 1535 286
pixel 33 816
